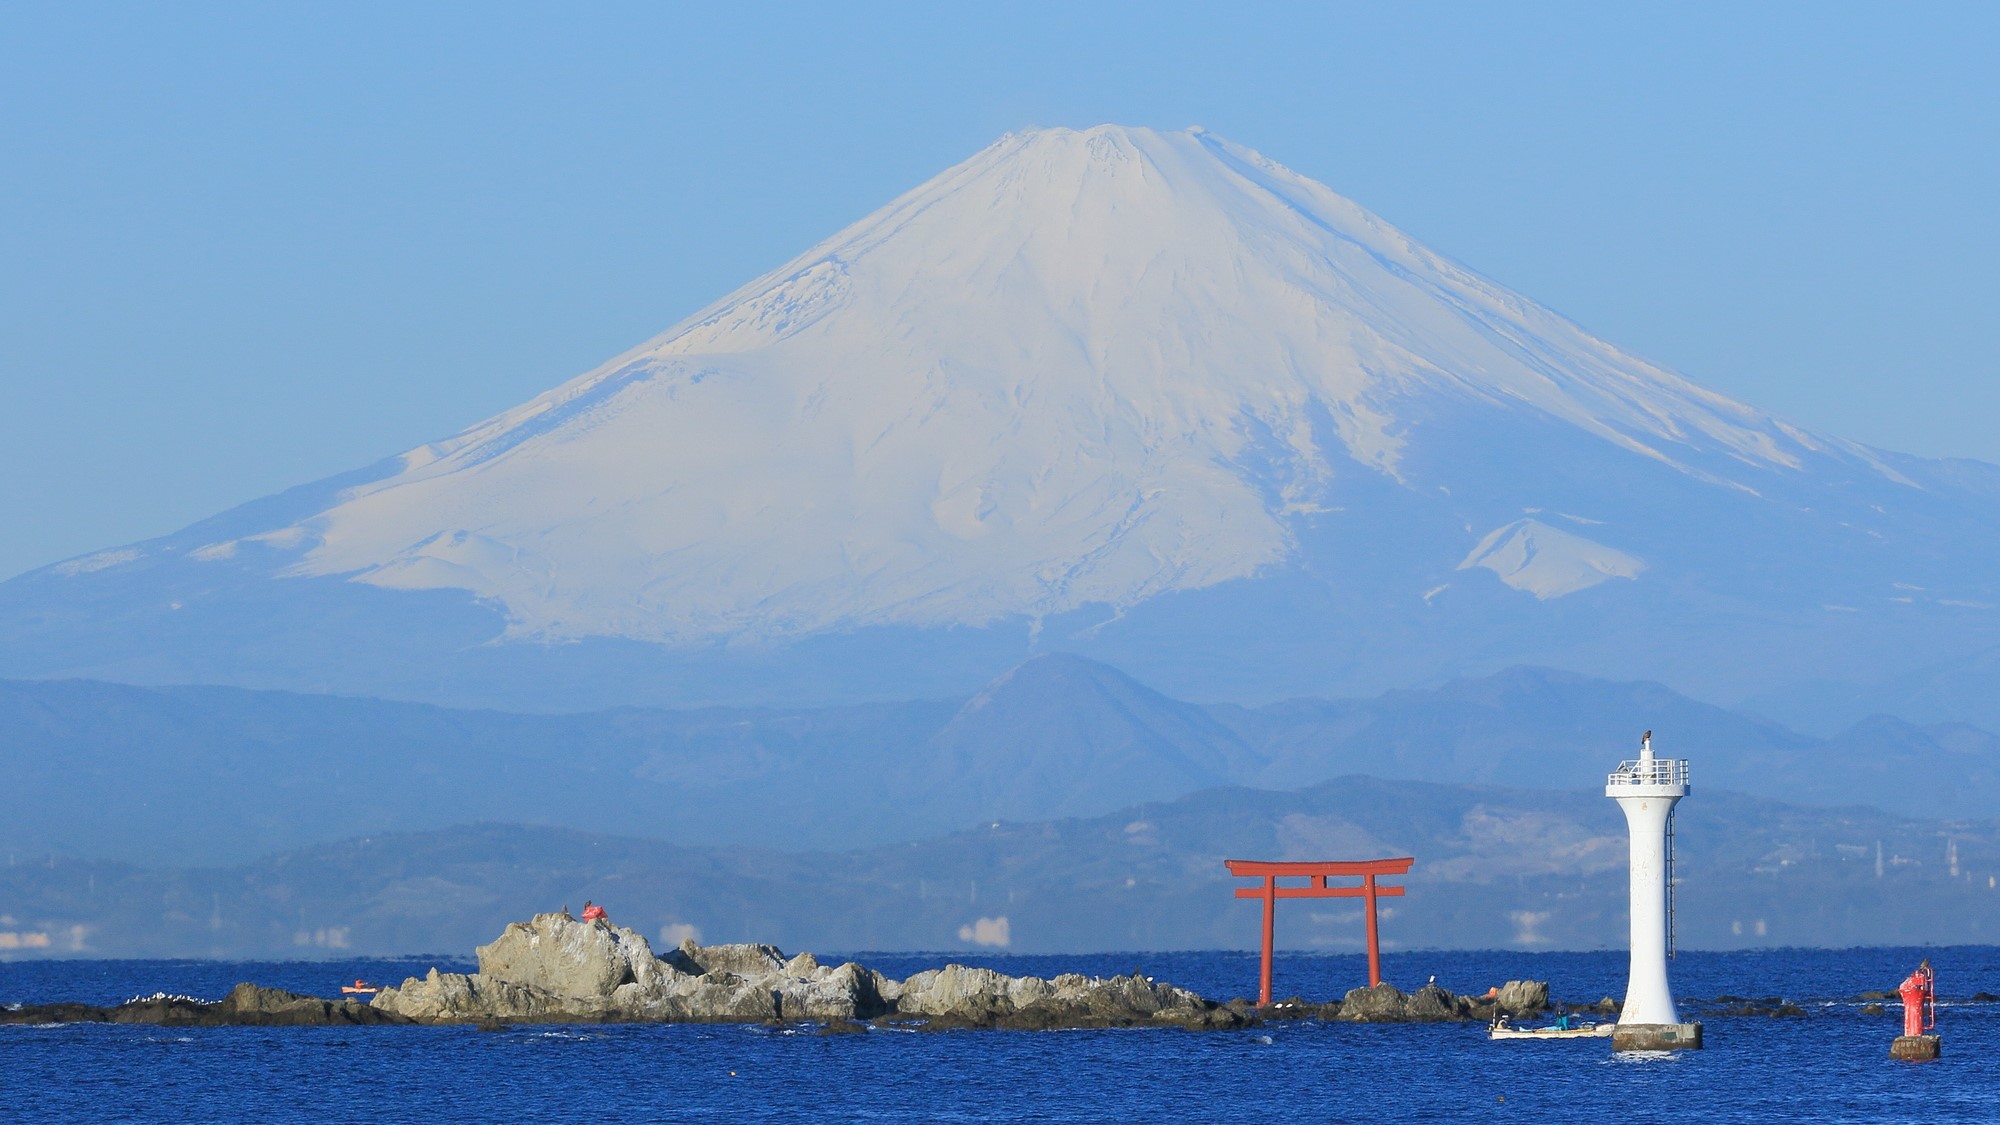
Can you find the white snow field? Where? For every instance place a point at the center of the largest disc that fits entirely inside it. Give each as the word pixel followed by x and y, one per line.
pixel 1549 562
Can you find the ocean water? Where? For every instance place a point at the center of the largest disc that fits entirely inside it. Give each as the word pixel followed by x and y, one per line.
pixel 1830 1065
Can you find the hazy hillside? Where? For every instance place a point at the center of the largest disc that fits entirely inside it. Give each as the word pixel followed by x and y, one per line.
pixel 1496 868
pixel 221 775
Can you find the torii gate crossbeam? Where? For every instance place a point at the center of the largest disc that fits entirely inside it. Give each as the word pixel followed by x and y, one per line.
pixel 1317 873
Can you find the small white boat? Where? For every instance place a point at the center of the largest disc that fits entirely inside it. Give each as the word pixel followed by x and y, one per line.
pixel 1561 1029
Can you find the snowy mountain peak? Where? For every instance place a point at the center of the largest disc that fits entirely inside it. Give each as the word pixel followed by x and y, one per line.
pixel 1082 367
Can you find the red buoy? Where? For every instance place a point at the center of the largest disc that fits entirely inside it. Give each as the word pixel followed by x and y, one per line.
pixel 1919 991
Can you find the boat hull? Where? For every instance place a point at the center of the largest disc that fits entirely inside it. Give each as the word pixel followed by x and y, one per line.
pixel 1599 1031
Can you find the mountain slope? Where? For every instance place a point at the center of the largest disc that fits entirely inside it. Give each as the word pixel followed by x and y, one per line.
pixel 1148 397
pixel 1060 736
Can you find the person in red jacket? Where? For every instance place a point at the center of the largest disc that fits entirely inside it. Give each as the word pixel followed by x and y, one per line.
pixel 593 912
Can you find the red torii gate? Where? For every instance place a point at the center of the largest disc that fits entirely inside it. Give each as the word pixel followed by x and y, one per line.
pixel 1271 892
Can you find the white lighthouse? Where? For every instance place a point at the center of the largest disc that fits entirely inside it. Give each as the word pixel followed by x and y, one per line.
pixel 1647 790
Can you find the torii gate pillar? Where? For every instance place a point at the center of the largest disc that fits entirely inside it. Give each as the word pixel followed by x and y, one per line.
pixel 1317 887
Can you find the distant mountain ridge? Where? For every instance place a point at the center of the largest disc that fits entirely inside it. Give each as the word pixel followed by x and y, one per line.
pixel 222 775
pixel 1148 397
pixel 1496 868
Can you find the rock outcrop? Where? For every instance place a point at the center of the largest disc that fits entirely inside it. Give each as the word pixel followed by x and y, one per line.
pixel 963 997
pixel 1385 1003
pixel 246 1004
pixel 558 969
pixel 1431 1004
pixel 1522 997
pixel 1382 1003
pixel 568 958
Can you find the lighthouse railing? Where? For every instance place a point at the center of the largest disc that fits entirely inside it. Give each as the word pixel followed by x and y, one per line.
pixel 1650 771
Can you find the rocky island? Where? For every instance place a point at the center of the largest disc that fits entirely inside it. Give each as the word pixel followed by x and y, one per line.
pixel 557 969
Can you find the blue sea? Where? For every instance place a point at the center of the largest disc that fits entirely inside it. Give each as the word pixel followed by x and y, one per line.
pixel 1831 1065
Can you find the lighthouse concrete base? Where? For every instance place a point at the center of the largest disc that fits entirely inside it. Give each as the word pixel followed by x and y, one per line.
pixel 1915 1047
pixel 1656 1037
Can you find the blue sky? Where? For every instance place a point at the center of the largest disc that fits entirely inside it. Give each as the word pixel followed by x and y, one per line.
pixel 246 246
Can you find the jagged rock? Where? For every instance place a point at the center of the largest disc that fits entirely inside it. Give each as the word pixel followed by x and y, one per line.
pixel 748 961
pixel 555 968
pixel 1382 1003
pixel 556 953
pixel 957 996
pixel 716 997
pixel 459 997
pixel 849 992
pixel 1523 997
pixel 1431 1004
pixel 1134 993
pixel 962 992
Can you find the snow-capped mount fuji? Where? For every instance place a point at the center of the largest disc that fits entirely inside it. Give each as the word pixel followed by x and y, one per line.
pixel 1036 383
pixel 1145 395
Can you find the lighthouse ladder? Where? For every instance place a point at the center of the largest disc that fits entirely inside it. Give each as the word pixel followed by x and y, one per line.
pixel 1672 949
